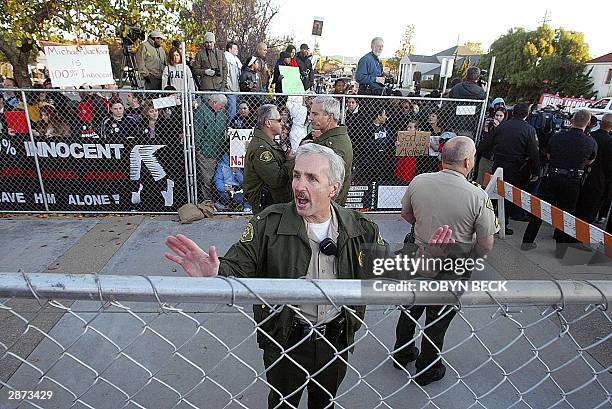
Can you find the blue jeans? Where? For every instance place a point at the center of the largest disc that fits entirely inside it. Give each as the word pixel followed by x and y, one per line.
pixel 232 107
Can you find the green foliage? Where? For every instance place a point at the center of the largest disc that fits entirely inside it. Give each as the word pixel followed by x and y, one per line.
pixel 407 46
pixel 529 63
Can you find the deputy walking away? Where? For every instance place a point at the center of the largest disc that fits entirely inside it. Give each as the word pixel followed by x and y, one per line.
pixel 434 199
pixel 568 153
pixel 267 168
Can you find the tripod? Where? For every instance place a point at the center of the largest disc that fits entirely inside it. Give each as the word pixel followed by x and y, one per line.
pixel 128 71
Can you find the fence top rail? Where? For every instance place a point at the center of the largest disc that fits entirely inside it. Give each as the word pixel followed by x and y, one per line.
pixel 222 290
pixel 78 90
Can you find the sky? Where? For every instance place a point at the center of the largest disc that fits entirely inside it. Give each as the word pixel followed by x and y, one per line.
pixel 349 26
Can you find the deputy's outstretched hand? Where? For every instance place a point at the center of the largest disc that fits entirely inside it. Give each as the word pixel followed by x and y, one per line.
pixel 195 261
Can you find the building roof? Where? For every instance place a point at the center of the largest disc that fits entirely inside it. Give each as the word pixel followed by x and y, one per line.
pixel 461 51
pixel 603 58
pixel 430 59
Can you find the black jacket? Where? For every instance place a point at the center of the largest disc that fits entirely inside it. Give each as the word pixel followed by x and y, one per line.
pixel 515 145
pixel 467 90
pixel 600 176
pixel 571 149
pixel 306 71
pixel 248 81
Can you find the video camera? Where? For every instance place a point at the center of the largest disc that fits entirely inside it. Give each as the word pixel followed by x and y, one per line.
pixel 130 35
pixel 389 80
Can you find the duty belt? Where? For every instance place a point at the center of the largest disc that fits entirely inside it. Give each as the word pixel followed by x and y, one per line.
pixel 331 329
pixel 575 173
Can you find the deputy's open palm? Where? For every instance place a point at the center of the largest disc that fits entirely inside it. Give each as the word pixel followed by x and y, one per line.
pixel 195 261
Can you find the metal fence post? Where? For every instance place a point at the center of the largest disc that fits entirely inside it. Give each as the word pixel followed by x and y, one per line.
pixel 485 102
pixel 30 129
pixel 193 174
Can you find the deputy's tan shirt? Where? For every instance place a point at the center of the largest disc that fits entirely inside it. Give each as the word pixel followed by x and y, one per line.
pixel 321 267
pixel 446 197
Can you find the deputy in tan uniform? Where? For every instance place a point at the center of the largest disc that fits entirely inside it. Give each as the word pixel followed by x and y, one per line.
pixel 435 199
pixel 267 168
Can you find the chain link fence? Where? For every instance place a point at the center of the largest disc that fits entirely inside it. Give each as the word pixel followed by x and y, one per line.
pixel 154 151
pixel 168 342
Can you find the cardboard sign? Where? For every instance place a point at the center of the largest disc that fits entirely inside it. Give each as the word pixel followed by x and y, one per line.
pixel 239 139
pixel 73 66
pixel 412 143
pixel 167 102
pixel 292 83
pixel 16 120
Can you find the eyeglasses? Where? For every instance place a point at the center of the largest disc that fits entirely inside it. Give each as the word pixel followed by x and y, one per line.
pixel 276 119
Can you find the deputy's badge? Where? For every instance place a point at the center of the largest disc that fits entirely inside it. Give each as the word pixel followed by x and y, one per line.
pixel 247 234
pixel 266 156
pixel 489 204
pixel 380 240
pixel 360 258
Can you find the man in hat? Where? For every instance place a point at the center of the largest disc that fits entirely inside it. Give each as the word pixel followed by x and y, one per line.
pixel 210 66
pixel 151 60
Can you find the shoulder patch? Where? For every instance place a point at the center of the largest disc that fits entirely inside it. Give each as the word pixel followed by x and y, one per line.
pixel 380 240
pixel 476 184
pixel 266 156
pixel 247 234
pixel 489 204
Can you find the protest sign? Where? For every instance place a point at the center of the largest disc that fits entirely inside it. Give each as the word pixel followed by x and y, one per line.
pixel 317 26
pixel 239 139
pixel 167 102
pixel 292 83
pixel 73 66
pixel 412 143
pixel 17 121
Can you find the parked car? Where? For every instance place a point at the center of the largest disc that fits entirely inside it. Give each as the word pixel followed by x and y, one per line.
pixel 598 108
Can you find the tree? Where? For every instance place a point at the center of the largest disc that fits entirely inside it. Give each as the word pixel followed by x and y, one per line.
pixel 24 24
pixel 531 62
pixel 246 22
pixel 406 45
pixel 476 48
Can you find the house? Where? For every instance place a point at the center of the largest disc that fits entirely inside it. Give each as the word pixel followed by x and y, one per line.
pixel 429 65
pixel 601 74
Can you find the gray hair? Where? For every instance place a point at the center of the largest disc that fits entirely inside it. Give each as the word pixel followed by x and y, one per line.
pixel 458 149
pixel 375 40
pixel 218 98
pixel 473 73
pixel 606 122
pixel 335 168
pixel 264 113
pixel 331 106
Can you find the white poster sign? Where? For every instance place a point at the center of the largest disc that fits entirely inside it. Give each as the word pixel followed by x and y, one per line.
pixel 73 66
pixel 239 139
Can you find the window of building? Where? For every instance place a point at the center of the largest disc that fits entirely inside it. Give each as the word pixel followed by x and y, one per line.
pixel 609 76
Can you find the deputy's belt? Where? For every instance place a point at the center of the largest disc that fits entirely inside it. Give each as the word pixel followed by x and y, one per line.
pixel 574 173
pixel 331 330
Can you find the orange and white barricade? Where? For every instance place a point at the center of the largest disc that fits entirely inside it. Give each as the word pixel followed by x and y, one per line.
pixel 498 188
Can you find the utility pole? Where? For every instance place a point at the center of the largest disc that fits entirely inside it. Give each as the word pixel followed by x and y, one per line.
pixel 546 18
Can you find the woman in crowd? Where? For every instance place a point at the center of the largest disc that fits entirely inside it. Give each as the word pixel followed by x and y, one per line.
pixel 173 73
pixel 250 76
pixel 484 150
pixel 51 125
pixel 92 111
pixel 119 125
pixel 379 161
pixel 430 161
pixel 134 108
pixel 405 166
pixel 244 119
pixel 291 51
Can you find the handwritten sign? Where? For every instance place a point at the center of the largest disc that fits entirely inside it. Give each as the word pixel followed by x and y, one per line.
pixel 412 143
pixel 239 140
pixel 292 84
pixel 73 66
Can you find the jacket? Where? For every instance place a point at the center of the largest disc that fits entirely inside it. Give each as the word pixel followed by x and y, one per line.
pixel 368 68
pixel 209 131
pixel 264 74
pixel 224 175
pixel 338 139
pixel 211 59
pixel 249 80
pixel 600 176
pixel 150 60
pixel 467 90
pixel 298 113
pixel 173 75
pixel 266 167
pixel 278 83
pixel 234 68
pixel 275 245
pixel 515 145
pixel 306 71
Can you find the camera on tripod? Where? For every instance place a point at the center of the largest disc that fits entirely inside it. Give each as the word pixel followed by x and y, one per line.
pixel 130 35
pixel 389 80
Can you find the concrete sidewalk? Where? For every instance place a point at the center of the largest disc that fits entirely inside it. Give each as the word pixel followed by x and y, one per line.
pixel 125 344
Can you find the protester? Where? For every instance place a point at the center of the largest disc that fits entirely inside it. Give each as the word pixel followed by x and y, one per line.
pixel 234 69
pixel 283 60
pixel 244 119
pixel 305 64
pixel 151 60
pixel 119 126
pixel 228 182
pixel 484 150
pixel 261 52
pixel 209 132
pixel 51 125
pixel 210 66
pixel 134 108
pixel 369 72
pixel 250 76
pixel 10 98
pixel 174 72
